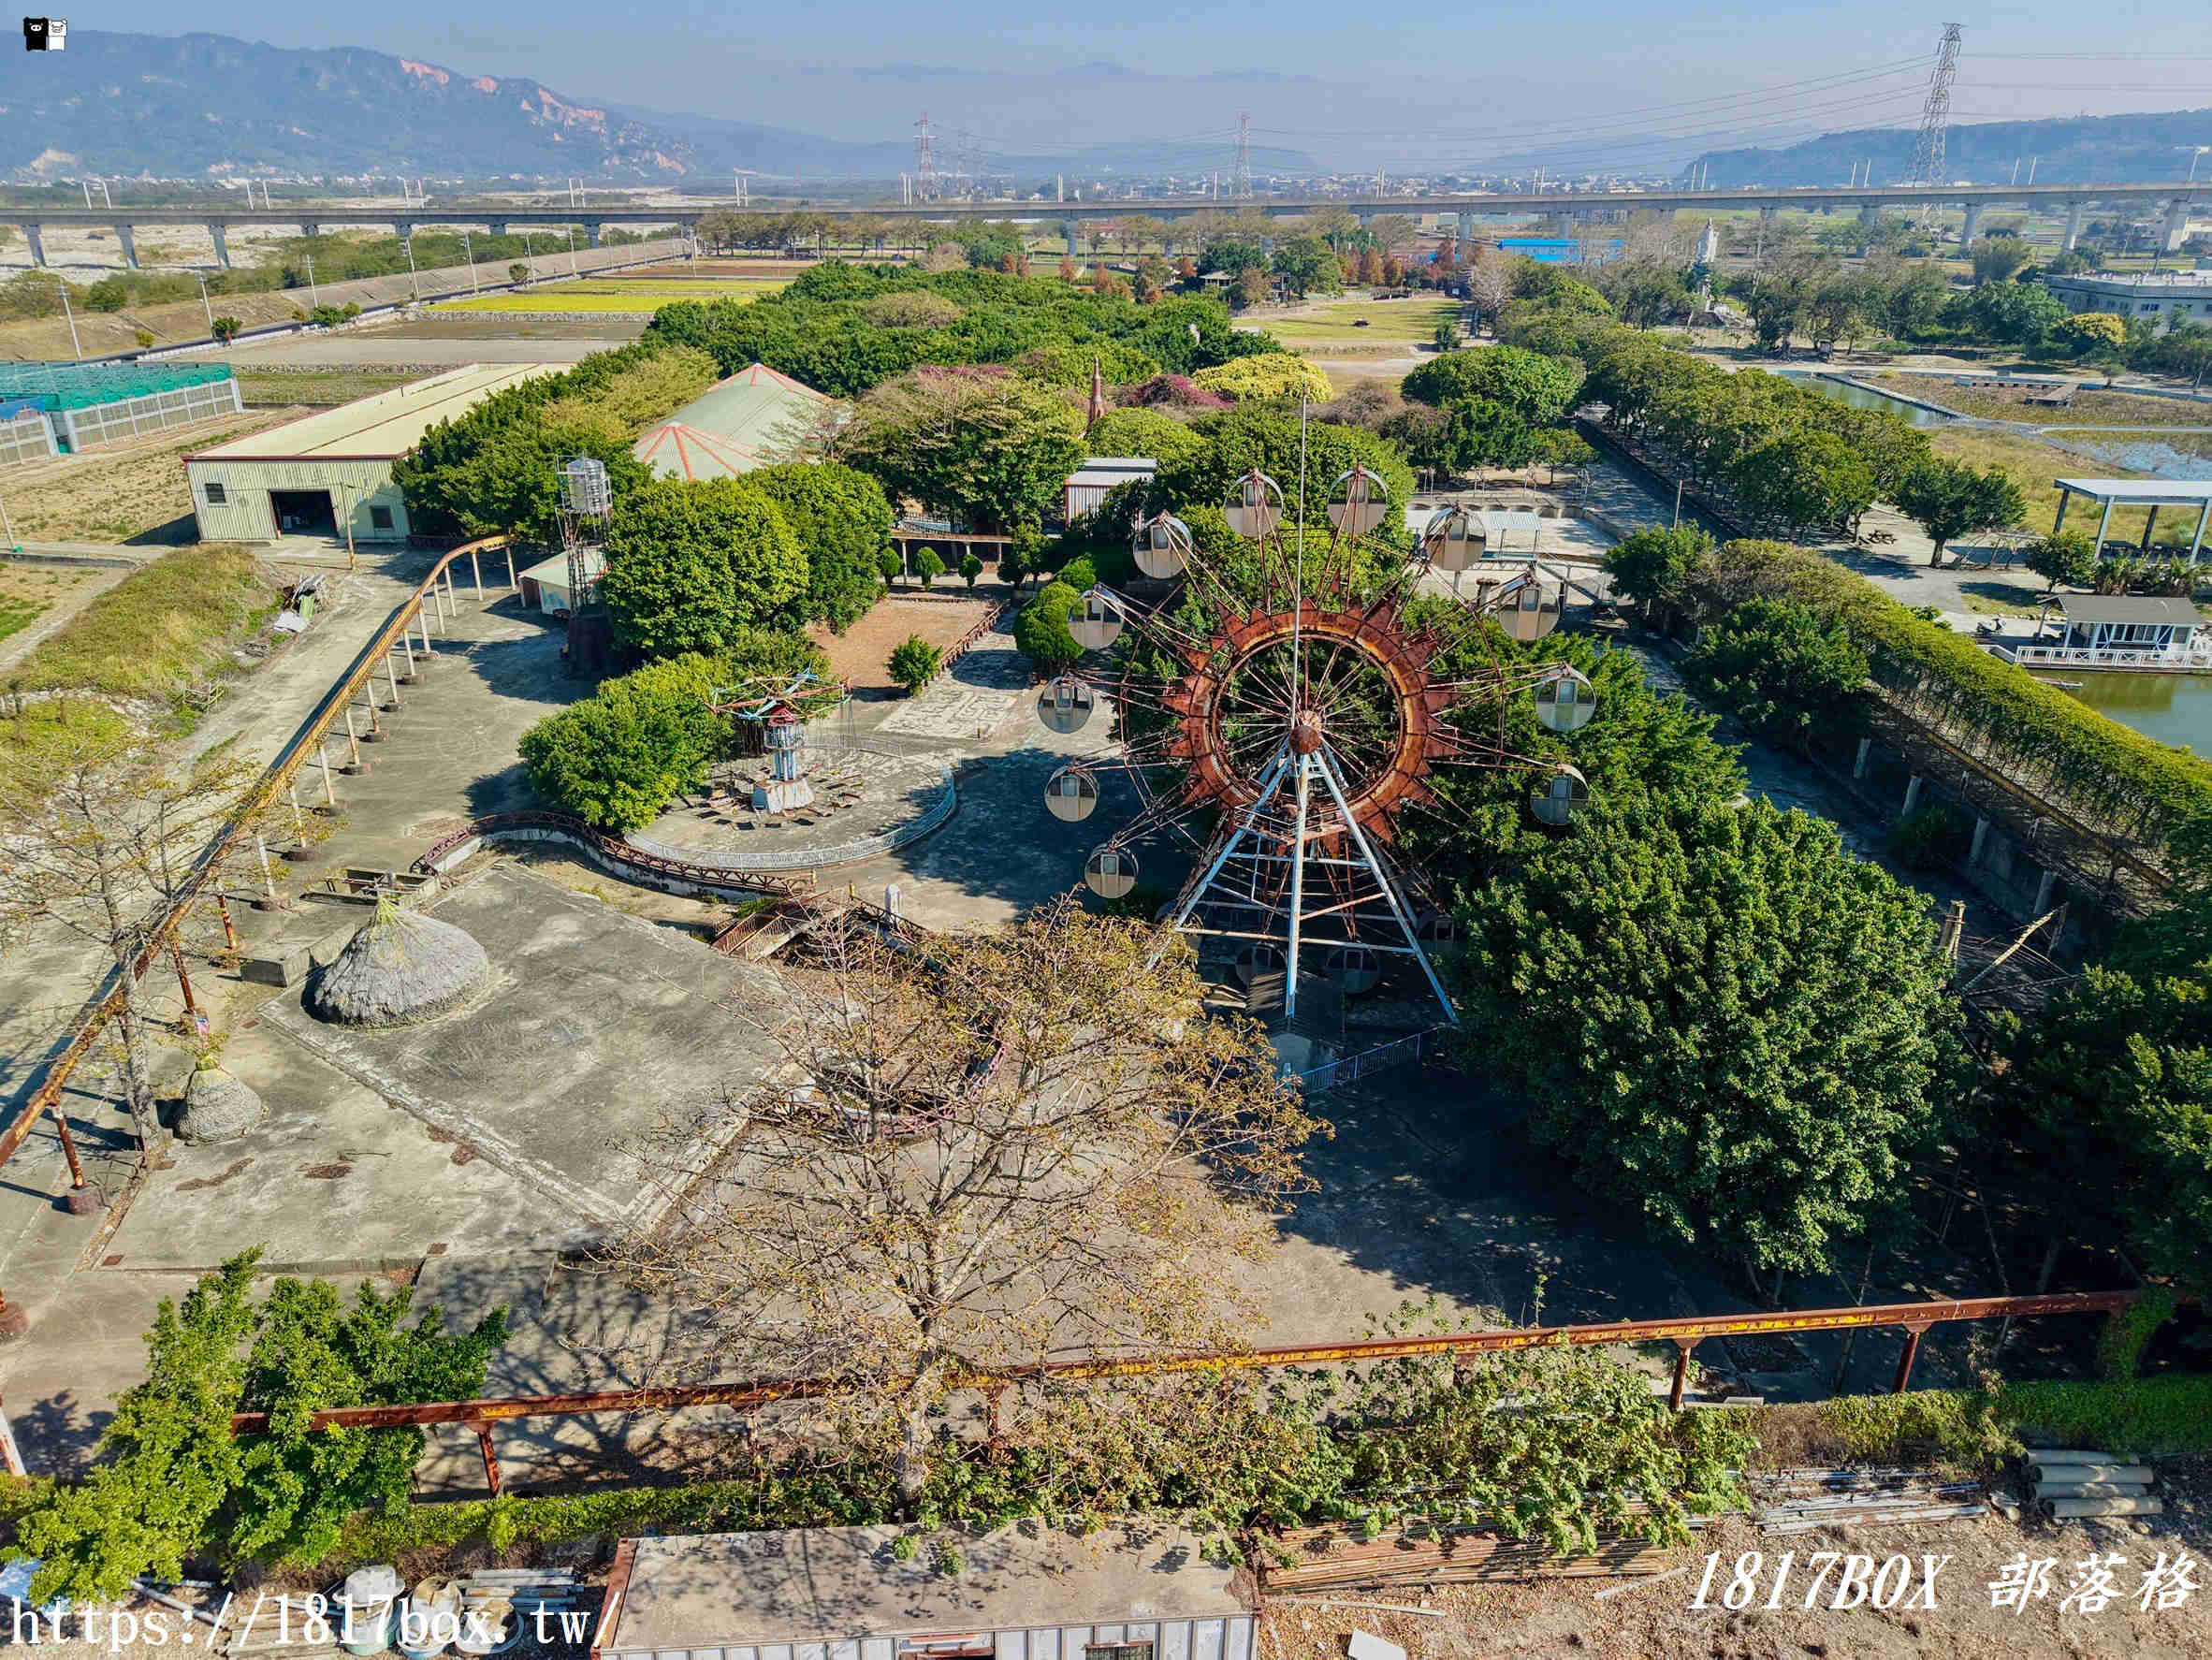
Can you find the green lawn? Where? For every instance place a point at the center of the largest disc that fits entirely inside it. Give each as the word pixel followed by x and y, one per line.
pixel 644 294
pixel 1387 322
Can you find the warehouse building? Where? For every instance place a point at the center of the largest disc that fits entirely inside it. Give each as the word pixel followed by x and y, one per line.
pixel 330 473
pixel 64 409
pixel 2165 297
pixel 755 418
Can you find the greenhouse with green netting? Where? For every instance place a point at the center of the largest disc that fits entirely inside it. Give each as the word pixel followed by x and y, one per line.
pixel 85 405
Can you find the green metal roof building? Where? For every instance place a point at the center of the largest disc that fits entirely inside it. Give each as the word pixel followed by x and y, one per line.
pixel 755 418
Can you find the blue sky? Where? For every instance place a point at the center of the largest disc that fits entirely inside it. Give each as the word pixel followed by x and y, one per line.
pixel 1354 70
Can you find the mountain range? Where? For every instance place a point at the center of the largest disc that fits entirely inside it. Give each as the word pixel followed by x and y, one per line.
pixel 2081 150
pixel 208 106
pixel 212 108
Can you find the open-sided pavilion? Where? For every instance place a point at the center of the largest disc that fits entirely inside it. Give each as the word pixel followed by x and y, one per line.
pixel 2153 493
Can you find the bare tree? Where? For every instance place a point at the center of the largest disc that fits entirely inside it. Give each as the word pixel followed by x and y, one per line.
pixel 1489 286
pixel 104 843
pixel 1007 1148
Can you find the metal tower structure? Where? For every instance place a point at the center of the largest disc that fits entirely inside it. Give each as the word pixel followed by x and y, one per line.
pixel 924 161
pixel 1935 115
pixel 1242 186
pixel 587 501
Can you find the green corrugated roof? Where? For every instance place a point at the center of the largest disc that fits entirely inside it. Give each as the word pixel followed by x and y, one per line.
pixel 83 386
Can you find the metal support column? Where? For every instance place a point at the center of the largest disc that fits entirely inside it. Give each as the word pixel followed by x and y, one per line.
pixel 1305 766
pixel 1681 1374
pixel 1327 770
pixel 1904 1362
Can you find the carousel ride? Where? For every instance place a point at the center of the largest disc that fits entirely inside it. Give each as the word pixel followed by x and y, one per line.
pixel 779 708
pixel 1292 699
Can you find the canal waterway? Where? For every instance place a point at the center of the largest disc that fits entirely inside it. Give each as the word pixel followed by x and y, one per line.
pixel 1865 397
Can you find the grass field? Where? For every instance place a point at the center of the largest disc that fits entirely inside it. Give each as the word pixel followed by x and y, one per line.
pixel 2034 464
pixel 1394 322
pixel 2091 408
pixel 644 294
pixel 319 388
pixel 158 629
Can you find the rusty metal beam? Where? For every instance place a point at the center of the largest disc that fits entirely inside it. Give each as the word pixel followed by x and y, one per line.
pixel 1684 1332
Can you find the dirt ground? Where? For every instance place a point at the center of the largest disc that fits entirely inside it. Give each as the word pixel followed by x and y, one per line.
pixel 860 654
pixel 127 492
pixel 1652 1619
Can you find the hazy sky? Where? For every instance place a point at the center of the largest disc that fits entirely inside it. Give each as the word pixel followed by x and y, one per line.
pixel 1496 69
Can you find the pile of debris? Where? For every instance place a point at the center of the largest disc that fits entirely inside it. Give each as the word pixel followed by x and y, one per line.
pixel 1788 1502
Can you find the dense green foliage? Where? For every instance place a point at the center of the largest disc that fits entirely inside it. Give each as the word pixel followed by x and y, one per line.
pixel 1652 566
pixel 616 759
pixel 1536 389
pixel 496 467
pixel 1267 438
pixel 1141 431
pixel 842 521
pixel 1275 378
pixel 1786 672
pixel 1041 627
pixel 691 562
pixel 989 448
pixel 2064 555
pixel 172 1480
pixel 830 329
pixel 1722 1020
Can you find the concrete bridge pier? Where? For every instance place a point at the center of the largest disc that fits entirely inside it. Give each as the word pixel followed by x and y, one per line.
pixel 2075 213
pixel 2176 228
pixel 404 228
pixel 1868 212
pixel 129 245
pixel 308 228
pixel 35 242
pixel 1068 225
pixel 217 236
pixel 1973 223
pixel 591 230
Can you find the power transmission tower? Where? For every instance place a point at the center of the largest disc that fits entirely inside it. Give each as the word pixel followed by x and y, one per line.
pixel 924 161
pixel 1935 115
pixel 1242 185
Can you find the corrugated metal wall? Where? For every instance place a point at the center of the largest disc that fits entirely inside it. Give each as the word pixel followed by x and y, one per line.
pixel 25 439
pixel 244 514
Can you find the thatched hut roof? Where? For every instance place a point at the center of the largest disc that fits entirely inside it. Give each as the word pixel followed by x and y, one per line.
pixel 217 1108
pixel 400 968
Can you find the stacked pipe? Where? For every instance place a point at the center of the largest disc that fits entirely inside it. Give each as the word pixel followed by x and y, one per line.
pixel 2070 1484
pixel 1803 1501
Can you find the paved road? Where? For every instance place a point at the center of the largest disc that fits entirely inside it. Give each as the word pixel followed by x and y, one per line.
pixel 386 351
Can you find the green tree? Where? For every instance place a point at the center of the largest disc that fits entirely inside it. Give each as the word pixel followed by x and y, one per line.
pixel 172 1481
pixel 889 566
pixel 1723 1021
pixel 225 329
pixel 1141 432
pixel 518 273
pixel 1267 437
pixel 1040 629
pixel 1018 557
pixel 995 450
pixel 2063 556
pixel 1480 434
pixel 1652 566
pixel 914 663
pixel 1538 390
pixel 1999 259
pixel 1307 265
pixel 842 521
pixel 1953 499
pixel 970 568
pixel 928 566
pixel 2014 314
pixel 1790 676
pixel 616 759
pixel 690 561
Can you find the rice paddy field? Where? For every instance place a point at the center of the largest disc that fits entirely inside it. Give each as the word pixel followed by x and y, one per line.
pixel 641 295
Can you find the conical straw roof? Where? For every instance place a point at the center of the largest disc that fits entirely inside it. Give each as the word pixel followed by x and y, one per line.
pixel 400 968
pixel 218 1108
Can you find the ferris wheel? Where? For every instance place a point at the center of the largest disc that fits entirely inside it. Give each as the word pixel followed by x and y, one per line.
pixel 1298 695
